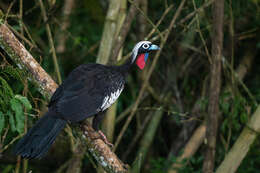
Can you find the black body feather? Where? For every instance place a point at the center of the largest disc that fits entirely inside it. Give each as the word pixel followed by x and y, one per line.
pixel 80 96
pixel 82 93
pixel 88 91
pixel 39 138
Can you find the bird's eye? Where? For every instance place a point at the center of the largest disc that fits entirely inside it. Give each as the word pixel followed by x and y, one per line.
pixel 145 46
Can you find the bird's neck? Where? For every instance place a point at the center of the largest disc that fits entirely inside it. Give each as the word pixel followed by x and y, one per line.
pixel 124 68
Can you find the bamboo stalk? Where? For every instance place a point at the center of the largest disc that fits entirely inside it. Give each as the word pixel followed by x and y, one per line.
pixel 135 139
pixel 242 145
pixel 149 134
pixel 109 31
pixel 190 148
pixel 147 140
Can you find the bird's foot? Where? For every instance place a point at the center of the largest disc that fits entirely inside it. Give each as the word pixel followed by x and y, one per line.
pixel 104 138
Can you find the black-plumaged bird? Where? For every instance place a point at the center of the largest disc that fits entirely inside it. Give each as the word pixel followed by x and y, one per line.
pixel 88 91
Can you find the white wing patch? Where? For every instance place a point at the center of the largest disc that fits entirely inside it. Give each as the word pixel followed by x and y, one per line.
pixel 109 100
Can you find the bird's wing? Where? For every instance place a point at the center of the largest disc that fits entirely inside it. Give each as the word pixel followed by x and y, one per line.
pixel 82 93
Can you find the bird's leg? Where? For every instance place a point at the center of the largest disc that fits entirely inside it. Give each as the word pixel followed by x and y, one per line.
pixel 104 138
pixel 95 124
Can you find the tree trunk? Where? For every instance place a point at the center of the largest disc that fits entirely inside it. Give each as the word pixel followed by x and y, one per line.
pixel 215 84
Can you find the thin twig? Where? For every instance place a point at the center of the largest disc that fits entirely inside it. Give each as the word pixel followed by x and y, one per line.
pixel 21 16
pixel 48 29
pixel 167 10
pixel 121 116
pixel 236 76
pixel 207 4
pixel 200 33
pixel 8 11
pixel 10 143
pixel 30 37
pixel 24 39
pixel 155 27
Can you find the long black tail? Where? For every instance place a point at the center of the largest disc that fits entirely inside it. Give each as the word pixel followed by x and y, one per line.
pixel 39 138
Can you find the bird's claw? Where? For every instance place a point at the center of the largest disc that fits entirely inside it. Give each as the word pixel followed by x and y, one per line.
pixel 104 138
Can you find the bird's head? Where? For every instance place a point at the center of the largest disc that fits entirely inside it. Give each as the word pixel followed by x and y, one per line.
pixel 141 51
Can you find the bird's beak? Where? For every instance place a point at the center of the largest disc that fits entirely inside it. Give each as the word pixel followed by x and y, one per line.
pixel 154 47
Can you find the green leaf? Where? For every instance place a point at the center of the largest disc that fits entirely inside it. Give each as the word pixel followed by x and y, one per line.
pixel 24 101
pixel 11 121
pixel 2 121
pixel 17 107
pixel 7 90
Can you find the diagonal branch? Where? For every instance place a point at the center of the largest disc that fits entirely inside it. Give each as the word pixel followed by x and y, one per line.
pixel 242 145
pixel 17 52
pixel 51 42
pixel 24 60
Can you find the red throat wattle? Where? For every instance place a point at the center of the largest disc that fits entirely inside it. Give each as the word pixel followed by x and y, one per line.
pixel 140 62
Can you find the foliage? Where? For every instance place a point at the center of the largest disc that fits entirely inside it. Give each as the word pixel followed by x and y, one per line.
pixel 12 105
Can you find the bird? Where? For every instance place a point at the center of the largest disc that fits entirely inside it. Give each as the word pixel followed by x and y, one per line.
pixel 87 91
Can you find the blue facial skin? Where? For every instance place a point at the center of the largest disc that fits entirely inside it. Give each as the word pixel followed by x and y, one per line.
pixel 146 56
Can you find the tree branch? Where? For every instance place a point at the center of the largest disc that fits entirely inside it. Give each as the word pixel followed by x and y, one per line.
pixel 17 52
pixel 24 60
